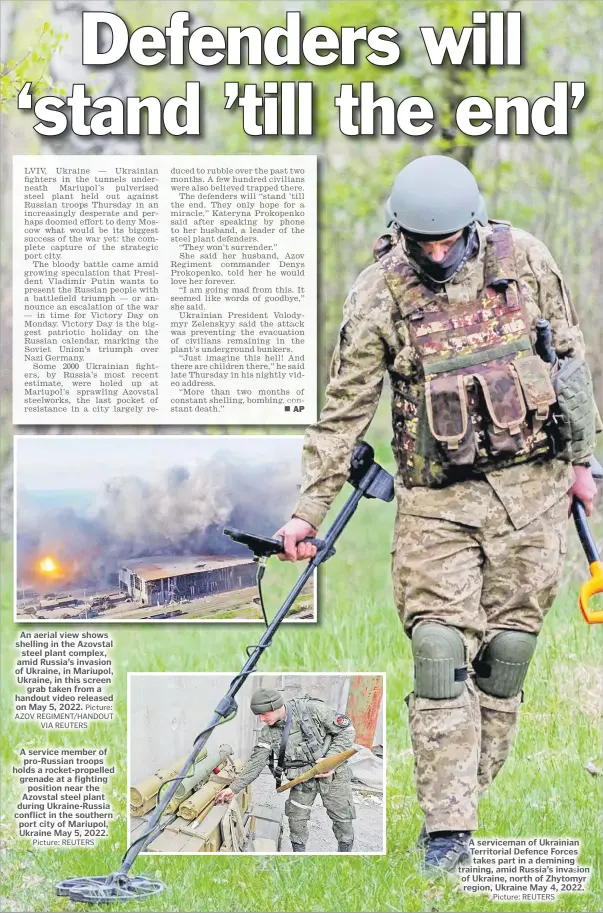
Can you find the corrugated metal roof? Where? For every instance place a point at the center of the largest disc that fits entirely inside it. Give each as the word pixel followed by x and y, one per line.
pixel 155 568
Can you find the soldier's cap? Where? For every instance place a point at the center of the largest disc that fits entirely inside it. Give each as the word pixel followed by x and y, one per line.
pixel 266 699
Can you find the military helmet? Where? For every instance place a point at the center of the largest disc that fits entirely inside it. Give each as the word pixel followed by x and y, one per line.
pixel 435 196
pixel 266 699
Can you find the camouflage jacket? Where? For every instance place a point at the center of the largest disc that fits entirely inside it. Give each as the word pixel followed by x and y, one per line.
pixel 369 343
pixel 332 728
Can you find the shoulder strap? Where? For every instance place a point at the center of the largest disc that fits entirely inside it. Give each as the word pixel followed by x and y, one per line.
pixel 277 771
pixel 500 268
pixel 404 284
pixel 500 272
pixel 311 737
pixel 280 764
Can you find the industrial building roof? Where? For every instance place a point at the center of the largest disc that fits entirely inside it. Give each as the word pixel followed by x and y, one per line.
pixel 155 568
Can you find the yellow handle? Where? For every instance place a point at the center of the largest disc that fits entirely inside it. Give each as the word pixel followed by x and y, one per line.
pixel 591 588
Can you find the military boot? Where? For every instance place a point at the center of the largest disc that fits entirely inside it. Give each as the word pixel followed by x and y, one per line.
pixel 446 851
pixel 344 847
pixel 298 847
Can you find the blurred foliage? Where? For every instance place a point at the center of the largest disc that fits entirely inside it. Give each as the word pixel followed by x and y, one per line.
pixel 31 67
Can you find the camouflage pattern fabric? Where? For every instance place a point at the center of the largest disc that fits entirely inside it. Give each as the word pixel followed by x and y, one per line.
pixel 498 719
pixel 338 801
pixel 445 736
pixel 373 340
pixel 336 733
pixel 481 580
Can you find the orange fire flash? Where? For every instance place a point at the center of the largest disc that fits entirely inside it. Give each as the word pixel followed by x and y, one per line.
pixel 48 565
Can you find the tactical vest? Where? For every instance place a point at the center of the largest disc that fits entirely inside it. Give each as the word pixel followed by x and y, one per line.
pixel 311 736
pixel 479 399
pixel 309 750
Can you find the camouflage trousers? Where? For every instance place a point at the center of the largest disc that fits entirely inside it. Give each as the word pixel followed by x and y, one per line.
pixel 480 580
pixel 337 798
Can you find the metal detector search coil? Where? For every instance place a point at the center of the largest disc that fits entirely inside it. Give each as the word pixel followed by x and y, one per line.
pixel 108 888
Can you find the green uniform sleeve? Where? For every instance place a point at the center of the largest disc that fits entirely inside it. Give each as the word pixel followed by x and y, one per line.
pixel 557 307
pixel 257 761
pixel 352 396
pixel 340 727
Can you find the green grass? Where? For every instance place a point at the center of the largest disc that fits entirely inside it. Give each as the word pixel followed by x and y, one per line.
pixel 544 789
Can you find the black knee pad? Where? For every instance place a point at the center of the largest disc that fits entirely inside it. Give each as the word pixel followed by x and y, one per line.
pixel 439 656
pixel 502 665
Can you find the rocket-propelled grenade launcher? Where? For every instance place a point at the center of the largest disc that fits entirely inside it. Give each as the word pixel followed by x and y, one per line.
pixel 324 766
pixel 369 480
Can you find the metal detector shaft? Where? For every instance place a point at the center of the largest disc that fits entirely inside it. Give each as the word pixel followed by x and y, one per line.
pixel 227 706
pixel 593 586
pixel 584 534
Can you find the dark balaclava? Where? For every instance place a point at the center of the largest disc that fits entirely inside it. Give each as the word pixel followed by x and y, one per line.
pixel 439 273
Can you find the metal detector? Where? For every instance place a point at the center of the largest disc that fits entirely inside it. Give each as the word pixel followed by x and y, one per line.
pixel 369 480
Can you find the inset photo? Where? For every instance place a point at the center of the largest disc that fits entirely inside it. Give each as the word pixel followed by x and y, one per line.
pixel 299 769
pixel 131 528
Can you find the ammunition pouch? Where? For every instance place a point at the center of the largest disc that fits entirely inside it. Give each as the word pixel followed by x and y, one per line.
pixel 502 664
pixel 448 417
pixel 575 414
pixel 488 412
pixel 439 657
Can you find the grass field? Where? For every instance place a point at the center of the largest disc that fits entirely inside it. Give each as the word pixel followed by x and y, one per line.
pixel 544 789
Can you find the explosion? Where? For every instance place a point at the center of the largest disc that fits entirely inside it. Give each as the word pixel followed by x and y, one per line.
pixel 48 565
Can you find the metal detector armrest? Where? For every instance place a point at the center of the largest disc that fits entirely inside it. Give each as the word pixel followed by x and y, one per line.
pixel 368 476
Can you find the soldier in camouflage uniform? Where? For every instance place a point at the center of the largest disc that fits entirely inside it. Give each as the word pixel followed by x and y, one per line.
pixel 295 735
pixel 449 310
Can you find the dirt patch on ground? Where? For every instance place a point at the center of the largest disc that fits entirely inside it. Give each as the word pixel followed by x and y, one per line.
pixel 368 826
